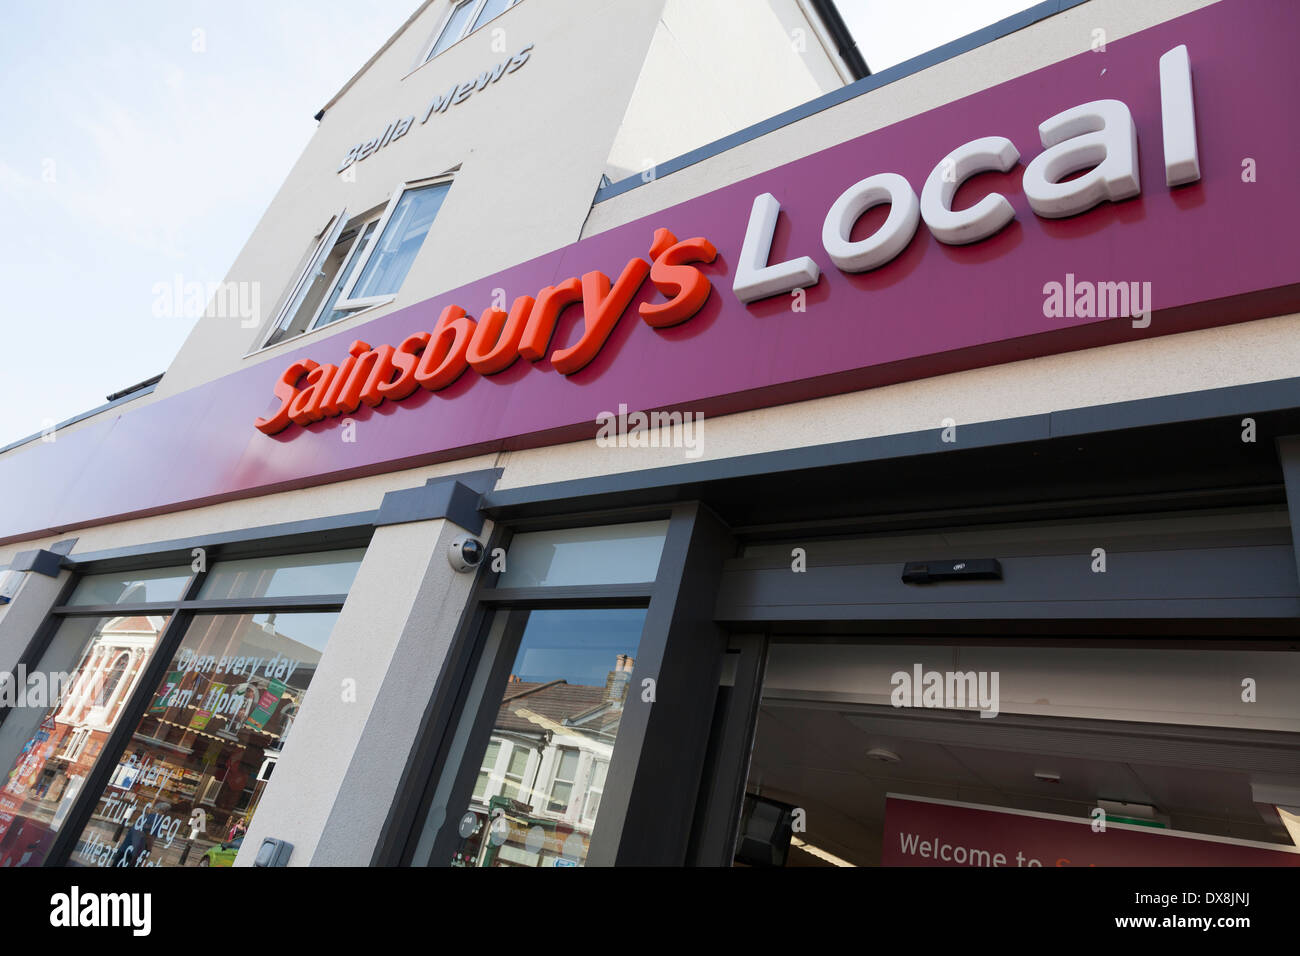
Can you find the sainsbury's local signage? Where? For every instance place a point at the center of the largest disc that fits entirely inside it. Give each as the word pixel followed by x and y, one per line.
pixel 1098 136
pixel 809 279
pixel 434 360
pixel 459 93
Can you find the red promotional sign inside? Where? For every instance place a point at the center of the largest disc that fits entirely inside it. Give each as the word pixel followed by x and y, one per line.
pixel 921 832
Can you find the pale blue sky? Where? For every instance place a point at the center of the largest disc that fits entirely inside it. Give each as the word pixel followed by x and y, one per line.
pixel 891 31
pixel 133 150
pixel 141 141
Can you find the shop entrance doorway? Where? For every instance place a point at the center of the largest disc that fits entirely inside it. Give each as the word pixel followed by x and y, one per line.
pixel 1040 753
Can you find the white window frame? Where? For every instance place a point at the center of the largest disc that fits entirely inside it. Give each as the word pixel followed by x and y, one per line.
pixel 427 54
pixel 586 815
pixel 556 764
pixel 328 238
pixel 353 252
pixel 494 777
pixel 345 300
pixel 506 778
pixel 76 743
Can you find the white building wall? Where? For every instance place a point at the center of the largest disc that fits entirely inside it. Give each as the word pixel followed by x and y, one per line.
pixel 715 67
pixel 530 150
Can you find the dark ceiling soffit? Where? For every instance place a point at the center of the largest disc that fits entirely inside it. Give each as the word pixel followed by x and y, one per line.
pixel 676 481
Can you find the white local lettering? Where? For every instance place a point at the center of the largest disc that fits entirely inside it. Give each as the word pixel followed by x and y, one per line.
pixel 1099 136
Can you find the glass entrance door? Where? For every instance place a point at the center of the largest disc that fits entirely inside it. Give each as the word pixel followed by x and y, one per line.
pixel 936 753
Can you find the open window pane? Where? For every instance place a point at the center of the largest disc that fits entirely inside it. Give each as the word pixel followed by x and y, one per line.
pixel 64 713
pixel 321 270
pixel 402 237
pixel 191 777
pixel 328 312
pixel 455 28
pixel 491 10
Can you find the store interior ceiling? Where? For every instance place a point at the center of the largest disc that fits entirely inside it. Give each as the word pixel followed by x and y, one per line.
pixel 826 759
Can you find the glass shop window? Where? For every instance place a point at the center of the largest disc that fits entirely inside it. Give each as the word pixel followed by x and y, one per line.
pixel 876 743
pixel 132 587
pixel 552 736
pixel 187 787
pixel 291 575
pixel 50 740
pixel 608 554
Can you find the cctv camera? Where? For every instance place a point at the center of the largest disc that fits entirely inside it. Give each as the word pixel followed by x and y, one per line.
pixel 466 553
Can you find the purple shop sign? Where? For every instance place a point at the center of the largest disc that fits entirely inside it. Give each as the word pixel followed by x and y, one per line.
pixel 1217 251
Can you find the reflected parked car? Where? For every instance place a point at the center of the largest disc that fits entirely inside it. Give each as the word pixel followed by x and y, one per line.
pixel 223 855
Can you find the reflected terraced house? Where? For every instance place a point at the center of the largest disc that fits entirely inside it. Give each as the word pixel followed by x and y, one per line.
pixel 538 791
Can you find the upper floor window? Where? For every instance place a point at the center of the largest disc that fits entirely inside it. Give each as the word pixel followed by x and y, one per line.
pixel 112 680
pixel 360 263
pixel 463 19
pixel 489 768
pixel 566 774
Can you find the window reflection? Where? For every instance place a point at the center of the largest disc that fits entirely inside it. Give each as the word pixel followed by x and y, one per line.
pixel 50 745
pixel 193 773
pixel 541 776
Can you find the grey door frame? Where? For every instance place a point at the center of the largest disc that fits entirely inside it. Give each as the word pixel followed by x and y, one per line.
pixel 646 807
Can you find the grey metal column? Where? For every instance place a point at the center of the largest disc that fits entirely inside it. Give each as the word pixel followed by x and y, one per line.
pixel 722 792
pixel 1288 451
pixel 648 805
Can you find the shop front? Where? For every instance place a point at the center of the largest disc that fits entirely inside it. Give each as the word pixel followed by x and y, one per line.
pixel 927 497
pixel 182 685
pixel 798 697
